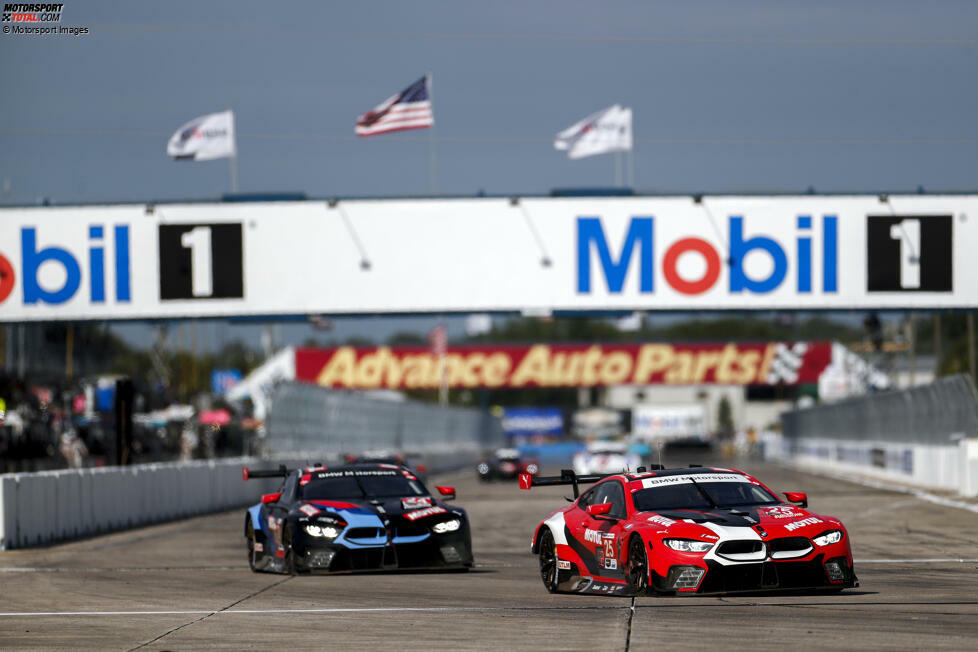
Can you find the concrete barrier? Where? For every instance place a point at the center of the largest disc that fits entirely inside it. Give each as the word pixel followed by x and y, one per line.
pixel 42 508
pixel 953 467
pixel 50 506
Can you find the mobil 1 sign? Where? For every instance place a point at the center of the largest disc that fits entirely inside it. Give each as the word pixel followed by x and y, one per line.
pixel 487 254
pixel 201 261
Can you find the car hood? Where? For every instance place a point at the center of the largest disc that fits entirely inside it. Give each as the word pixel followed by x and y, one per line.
pixel 776 520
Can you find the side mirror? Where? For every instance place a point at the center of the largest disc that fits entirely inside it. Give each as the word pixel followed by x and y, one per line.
pixel 447 492
pixel 271 498
pixel 797 497
pixel 598 510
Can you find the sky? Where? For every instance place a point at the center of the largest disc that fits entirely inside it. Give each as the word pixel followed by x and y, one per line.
pixel 751 96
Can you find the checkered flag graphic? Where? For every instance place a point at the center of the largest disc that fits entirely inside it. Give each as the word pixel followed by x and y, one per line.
pixel 786 363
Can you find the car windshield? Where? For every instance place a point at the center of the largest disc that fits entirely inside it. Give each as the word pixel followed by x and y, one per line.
pixel 380 483
pixel 683 494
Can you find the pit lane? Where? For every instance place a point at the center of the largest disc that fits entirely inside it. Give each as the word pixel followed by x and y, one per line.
pixel 186 585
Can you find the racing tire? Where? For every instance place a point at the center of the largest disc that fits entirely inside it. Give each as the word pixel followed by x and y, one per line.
pixel 548 561
pixel 251 540
pixel 637 567
pixel 289 558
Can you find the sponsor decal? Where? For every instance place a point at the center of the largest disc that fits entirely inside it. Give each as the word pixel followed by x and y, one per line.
pixel 909 253
pixel 422 513
pixel 650 483
pixel 712 537
pixel 661 520
pixel 274 523
pixel 610 563
pixel 785 511
pixel 639 238
pixel 526 480
pixel 259 547
pixel 416 502
pixel 309 510
pixel 70 268
pixel 563 564
pixel 201 261
pixel 607 588
pixel 326 475
pixel 595 537
pixel 562 365
pixel 802 523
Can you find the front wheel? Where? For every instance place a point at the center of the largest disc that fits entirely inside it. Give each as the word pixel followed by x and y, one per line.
pixel 548 561
pixel 251 540
pixel 637 567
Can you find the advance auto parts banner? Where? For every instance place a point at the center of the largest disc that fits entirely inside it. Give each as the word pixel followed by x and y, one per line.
pixel 565 365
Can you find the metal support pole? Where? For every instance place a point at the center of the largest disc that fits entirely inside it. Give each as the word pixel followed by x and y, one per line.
pixel 971 347
pixel 938 344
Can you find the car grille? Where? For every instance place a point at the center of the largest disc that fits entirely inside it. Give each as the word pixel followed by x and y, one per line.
pixel 411 530
pixel 742 550
pixel 790 547
pixel 364 533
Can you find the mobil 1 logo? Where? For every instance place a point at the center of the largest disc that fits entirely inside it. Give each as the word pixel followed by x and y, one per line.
pixel 908 253
pixel 201 261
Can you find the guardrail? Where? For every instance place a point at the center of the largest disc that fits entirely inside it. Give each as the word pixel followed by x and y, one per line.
pixel 927 435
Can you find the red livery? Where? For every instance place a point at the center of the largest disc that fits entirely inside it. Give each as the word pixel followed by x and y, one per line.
pixel 692 530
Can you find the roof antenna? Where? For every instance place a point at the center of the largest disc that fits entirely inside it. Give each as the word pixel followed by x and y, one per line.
pixel 658 446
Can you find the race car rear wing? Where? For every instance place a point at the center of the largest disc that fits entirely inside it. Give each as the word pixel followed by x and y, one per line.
pixel 566 477
pixel 248 474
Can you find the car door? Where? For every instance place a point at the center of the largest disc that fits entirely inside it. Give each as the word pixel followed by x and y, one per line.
pixel 596 538
pixel 607 546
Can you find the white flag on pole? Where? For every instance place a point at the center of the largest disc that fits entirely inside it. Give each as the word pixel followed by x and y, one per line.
pixel 204 138
pixel 608 130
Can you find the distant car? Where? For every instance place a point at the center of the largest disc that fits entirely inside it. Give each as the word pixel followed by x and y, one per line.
pixel 693 530
pixel 605 457
pixel 356 517
pixel 506 464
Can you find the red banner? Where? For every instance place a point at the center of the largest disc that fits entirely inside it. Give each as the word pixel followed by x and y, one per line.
pixel 565 365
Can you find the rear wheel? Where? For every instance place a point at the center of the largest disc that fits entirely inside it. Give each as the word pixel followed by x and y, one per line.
pixel 637 567
pixel 548 561
pixel 251 541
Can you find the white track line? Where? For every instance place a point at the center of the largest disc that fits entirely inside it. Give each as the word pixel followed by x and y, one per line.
pixel 192 612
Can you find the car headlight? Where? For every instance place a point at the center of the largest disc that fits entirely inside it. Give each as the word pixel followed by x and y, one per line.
pixel 688 545
pixel 832 536
pixel 532 468
pixel 325 531
pixel 446 526
pixel 483 468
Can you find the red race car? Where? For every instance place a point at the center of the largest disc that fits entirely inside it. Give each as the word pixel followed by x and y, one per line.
pixel 690 530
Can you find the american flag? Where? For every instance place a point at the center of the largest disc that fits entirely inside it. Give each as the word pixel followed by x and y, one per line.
pixel 409 109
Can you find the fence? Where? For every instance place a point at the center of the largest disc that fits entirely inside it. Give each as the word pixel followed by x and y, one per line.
pixel 310 418
pixel 926 435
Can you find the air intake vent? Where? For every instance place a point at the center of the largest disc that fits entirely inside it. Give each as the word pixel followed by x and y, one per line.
pixel 742 550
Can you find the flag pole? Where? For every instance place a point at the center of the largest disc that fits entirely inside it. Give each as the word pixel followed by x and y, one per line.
pixel 234 157
pixel 432 161
pixel 234 171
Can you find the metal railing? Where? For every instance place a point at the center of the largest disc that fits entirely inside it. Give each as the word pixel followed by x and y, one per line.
pixel 310 418
pixel 938 414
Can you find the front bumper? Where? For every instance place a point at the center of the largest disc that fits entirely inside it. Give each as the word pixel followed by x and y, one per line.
pixel 817 573
pixel 444 551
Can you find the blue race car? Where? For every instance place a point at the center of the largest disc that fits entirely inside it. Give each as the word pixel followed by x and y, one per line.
pixel 355 517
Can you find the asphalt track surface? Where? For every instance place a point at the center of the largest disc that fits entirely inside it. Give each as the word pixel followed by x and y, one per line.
pixel 186 586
